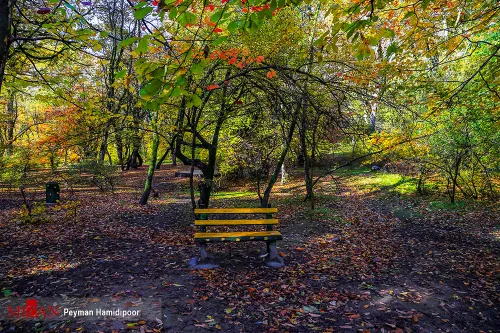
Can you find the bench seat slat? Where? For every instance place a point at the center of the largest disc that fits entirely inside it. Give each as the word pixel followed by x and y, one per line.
pixel 236 236
pixel 235 210
pixel 236 222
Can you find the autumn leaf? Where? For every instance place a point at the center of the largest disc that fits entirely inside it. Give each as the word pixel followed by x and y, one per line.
pixel 212 86
pixel 271 74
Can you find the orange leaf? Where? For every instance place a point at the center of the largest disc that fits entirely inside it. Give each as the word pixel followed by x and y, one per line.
pixel 212 86
pixel 271 74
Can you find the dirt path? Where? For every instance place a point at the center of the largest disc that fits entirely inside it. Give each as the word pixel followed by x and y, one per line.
pixel 361 263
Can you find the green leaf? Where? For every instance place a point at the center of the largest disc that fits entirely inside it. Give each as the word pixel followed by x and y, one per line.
pixel 142 47
pixel 320 40
pixel 191 18
pixel 159 73
pixel 216 16
pixel 152 88
pixel 393 48
pixel 274 4
pixel 196 69
pixel 388 33
pixel 173 14
pixel 153 106
pixel 141 13
pixel 408 15
pixel 355 37
pixel 425 3
pixel 121 74
pixel 128 41
pixel 140 4
pixel 180 81
pixel 220 40
pixel 373 41
pixel 232 27
pixel 196 100
pixel 175 92
pixel 281 3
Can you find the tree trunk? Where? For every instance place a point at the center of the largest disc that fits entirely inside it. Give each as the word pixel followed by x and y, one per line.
pixel 283 174
pixel 420 184
pixel 5 38
pixel 135 160
pixel 11 122
pixel 174 159
pixel 454 177
pixel 104 146
pixel 152 163
pixel 162 158
pixel 119 147
pixel 307 160
pixel 267 193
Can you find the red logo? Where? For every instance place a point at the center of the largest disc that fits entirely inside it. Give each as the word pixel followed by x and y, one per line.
pixel 32 310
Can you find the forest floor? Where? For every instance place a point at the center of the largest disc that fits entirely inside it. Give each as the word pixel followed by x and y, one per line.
pixel 371 258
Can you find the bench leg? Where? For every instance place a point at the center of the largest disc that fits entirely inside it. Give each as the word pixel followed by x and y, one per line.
pixel 273 258
pixel 204 260
pixel 203 251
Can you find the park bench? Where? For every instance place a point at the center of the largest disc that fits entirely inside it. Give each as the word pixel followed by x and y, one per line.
pixel 203 237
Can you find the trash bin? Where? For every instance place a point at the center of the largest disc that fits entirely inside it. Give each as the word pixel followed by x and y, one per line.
pixel 52 192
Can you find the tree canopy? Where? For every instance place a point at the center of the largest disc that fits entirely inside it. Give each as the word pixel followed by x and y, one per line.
pixel 246 87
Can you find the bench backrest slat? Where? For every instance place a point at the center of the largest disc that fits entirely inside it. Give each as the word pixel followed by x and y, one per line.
pixel 236 222
pixel 235 210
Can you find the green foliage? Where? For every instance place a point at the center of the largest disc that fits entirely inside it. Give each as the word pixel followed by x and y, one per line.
pixel 96 174
pixel 33 215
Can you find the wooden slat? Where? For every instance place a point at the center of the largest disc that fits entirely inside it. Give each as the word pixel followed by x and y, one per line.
pixel 236 236
pixel 235 210
pixel 236 222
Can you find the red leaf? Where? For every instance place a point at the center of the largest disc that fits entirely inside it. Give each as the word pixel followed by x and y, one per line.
pixel 271 74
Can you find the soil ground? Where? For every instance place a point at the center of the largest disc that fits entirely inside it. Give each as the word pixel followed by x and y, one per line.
pixel 363 261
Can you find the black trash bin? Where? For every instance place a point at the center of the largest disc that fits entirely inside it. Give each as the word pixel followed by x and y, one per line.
pixel 52 192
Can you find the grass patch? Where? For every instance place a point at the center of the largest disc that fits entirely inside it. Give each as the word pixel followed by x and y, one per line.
pixel 233 194
pixel 325 197
pixel 407 214
pixel 386 181
pixel 323 213
pixel 293 200
pixel 353 171
pixel 443 205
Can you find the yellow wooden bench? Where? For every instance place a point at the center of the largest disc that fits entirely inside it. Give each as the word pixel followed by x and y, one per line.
pixel 270 236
